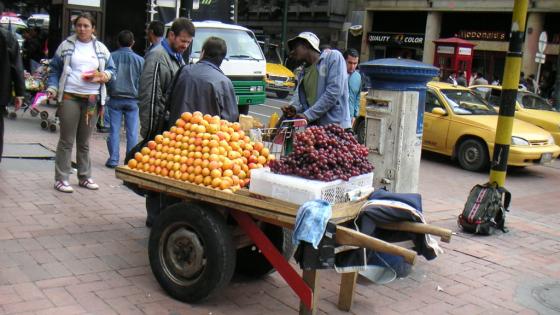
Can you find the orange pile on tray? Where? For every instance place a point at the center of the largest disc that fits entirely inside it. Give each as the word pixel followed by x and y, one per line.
pixel 203 150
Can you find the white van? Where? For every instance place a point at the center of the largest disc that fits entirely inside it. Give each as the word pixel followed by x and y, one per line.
pixel 244 64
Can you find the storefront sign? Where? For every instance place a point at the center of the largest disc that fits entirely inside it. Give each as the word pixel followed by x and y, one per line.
pixel 400 39
pixel 466 51
pixel 446 50
pixel 482 35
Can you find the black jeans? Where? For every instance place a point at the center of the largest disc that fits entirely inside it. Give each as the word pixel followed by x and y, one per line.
pixel 2 111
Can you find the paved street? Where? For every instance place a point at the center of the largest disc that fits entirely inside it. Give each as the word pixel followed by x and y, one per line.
pixel 86 252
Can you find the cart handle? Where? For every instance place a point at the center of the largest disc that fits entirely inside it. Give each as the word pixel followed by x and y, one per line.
pixel 421 228
pixel 346 236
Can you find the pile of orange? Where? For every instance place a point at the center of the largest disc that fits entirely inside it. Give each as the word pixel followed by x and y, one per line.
pixel 203 150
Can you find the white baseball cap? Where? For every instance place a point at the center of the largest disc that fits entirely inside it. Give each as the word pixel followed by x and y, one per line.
pixel 311 38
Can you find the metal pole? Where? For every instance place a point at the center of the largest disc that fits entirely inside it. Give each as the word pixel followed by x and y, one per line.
pixel 284 28
pixel 536 88
pixel 509 94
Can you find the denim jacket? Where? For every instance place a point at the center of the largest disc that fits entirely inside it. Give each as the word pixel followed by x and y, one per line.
pixel 59 67
pixel 332 92
pixel 129 68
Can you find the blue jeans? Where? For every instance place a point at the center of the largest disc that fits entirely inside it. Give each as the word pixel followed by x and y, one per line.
pixel 118 107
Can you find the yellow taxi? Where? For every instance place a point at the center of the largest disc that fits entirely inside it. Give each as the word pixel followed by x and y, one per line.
pixel 529 107
pixel 279 79
pixel 460 124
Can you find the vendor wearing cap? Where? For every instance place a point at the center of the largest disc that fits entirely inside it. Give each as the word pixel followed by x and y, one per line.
pixel 321 96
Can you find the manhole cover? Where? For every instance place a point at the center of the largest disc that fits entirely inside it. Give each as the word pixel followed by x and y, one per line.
pixel 548 295
pixel 27 151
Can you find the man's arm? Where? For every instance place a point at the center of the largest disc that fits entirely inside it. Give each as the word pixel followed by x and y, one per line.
pixel 148 94
pixel 336 69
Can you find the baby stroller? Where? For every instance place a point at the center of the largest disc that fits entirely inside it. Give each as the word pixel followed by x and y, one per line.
pixel 35 95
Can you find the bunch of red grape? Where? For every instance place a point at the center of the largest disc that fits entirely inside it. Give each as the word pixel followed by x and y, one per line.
pixel 324 153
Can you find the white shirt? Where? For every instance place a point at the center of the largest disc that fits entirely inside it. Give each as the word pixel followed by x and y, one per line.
pixel 84 59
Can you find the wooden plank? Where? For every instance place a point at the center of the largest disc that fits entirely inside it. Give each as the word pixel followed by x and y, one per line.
pixel 311 277
pixel 341 212
pixel 422 228
pixel 348 236
pixel 346 293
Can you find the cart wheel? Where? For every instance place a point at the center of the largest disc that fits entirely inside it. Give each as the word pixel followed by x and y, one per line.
pixel 44 124
pixel 12 115
pixel 44 114
pixel 52 126
pixel 191 251
pixel 252 263
pixel 34 112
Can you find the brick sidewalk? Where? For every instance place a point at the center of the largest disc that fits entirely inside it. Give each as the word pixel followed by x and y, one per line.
pixel 86 252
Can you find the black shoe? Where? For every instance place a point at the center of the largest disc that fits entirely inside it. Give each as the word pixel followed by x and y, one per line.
pixel 149 223
pixel 103 129
pixel 110 166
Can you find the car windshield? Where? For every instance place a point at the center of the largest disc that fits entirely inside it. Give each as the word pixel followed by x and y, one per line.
pixel 240 44
pixel 271 54
pixel 464 102
pixel 533 101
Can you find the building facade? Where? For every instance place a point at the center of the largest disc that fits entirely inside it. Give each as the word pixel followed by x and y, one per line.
pixel 484 23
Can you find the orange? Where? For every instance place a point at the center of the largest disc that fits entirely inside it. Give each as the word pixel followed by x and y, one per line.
pixel 184 176
pixel 261 160
pixel 198 179
pixel 228 173
pixel 138 156
pixel 207 181
pixel 205 171
pixel 145 158
pixel 152 144
pixel 173 129
pixel 164 171
pixel 178 174
pixel 157 170
pixel 216 173
pixel 224 184
pixel 186 116
pixel 132 163
pixel 180 122
pixel 197 170
pixel 216 182
pixel 158 138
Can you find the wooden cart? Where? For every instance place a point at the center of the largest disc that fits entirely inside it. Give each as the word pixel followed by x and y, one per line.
pixel 196 245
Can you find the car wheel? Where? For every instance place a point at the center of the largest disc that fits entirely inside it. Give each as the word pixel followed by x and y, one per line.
pixel 282 94
pixel 473 155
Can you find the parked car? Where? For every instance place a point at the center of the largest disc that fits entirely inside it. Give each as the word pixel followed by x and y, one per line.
pixel 529 107
pixel 462 125
pixel 279 79
pixel 39 20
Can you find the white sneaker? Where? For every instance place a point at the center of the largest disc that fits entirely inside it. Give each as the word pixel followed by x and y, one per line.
pixel 89 184
pixel 63 186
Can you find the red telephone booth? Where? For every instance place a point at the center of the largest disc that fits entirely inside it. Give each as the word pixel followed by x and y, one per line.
pixel 453 55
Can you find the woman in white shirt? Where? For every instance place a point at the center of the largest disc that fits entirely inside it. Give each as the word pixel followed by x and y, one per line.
pixel 79 71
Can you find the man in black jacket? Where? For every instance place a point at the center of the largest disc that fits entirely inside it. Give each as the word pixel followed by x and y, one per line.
pixel 11 77
pixel 204 87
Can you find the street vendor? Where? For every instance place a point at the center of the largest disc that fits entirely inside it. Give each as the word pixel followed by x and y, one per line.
pixel 204 87
pixel 321 96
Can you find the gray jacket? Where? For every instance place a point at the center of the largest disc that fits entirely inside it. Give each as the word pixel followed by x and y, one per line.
pixel 59 67
pixel 159 69
pixel 203 87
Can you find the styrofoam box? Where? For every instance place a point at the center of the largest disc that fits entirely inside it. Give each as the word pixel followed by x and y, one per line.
pixel 299 190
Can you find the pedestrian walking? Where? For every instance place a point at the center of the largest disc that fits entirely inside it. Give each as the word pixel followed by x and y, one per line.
pixel 354 82
pixel 123 101
pixel 321 96
pixel 79 71
pixel 11 77
pixel 160 67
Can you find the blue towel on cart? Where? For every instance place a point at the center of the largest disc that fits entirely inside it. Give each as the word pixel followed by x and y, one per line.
pixel 311 222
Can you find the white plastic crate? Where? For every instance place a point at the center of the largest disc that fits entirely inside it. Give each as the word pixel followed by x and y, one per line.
pixel 299 190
